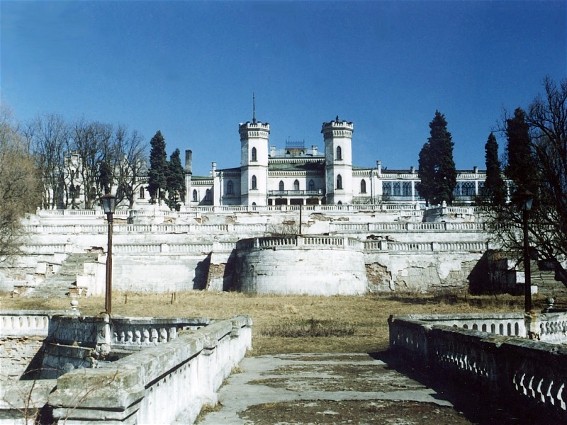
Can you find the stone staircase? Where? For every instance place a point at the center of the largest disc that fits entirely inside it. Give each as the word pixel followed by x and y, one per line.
pixel 544 279
pixel 57 285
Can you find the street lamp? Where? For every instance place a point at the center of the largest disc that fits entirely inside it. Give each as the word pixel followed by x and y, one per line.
pixel 526 207
pixel 108 205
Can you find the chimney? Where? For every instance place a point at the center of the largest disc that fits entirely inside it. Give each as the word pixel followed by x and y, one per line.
pixel 189 161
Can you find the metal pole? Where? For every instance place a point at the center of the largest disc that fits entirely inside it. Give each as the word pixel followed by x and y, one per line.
pixel 527 266
pixel 108 294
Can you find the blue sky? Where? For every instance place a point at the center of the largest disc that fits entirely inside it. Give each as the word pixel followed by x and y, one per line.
pixel 189 68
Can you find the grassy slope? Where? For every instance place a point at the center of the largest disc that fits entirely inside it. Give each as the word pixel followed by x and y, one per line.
pixel 283 324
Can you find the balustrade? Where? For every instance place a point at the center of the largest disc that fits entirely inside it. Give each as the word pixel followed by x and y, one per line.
pixel 528 372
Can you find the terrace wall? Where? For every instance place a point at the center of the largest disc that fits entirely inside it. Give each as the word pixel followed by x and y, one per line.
pixel 489 352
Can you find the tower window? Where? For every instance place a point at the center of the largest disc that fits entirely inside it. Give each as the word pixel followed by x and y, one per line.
pixel 281 186
pixel 296 185
pixel 254 183
pixel 363 186
pixel 339 182
pixel 142 192
pixel 195 197
pixel 229 188
pixel 311 185
pixel 208 195
pixel 254 155
pixel 339 153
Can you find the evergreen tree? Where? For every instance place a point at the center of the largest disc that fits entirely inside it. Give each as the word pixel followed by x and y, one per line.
pixel 494 185
pixel 521 164
pixel 438 176
pixel 157 174
pixel 425 186
pixel 175 181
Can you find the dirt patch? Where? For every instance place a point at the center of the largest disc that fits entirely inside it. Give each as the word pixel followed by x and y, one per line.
pixel 338 377
pixel 352 412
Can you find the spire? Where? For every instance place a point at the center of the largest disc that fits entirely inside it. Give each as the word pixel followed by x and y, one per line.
pixel 253 108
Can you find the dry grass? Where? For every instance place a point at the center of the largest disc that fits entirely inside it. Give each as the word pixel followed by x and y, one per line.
pixel 287 324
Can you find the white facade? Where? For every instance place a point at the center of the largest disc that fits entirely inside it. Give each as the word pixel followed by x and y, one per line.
pixel 296 175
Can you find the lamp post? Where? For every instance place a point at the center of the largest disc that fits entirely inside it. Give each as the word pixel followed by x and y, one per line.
pixel 526 207
pixel 108 205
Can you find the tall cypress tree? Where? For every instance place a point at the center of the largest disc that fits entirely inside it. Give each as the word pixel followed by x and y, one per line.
pixel 439 175
pixel 175 181
pixel 494 186
pixel 521 167
pixel 425 186
pixel 157 174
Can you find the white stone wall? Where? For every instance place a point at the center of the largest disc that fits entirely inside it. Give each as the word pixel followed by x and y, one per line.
pixel 302 271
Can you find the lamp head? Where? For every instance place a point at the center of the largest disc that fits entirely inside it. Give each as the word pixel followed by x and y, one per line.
pixel 108 202
pixel 528 199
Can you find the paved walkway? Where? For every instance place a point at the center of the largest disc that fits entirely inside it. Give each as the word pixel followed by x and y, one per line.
pixel 336 389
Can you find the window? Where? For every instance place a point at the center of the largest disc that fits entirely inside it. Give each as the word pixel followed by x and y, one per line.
pixel 142 192
pixel 386 188
pixel 195 197
pixel 339 182
pixel 339 153
pixel 281 186
pixel 208 195
pixel 363 186
pixel 406 189
pixel 311 185
pixel 230 188
pixel 254 155
pixel 397 189
pixel 296 185
pixel 254 183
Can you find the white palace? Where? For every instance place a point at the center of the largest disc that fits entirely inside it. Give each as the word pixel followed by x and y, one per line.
pixel 297 175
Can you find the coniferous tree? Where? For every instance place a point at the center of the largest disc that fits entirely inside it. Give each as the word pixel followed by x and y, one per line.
pixel 425 186
pixel 521 167
pixel 439 175
pixel 157 174
pixel 175 181
pixel 494 185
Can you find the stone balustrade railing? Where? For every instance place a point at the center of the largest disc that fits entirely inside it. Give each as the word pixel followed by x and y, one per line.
pixel 230 209
pixel 297 241
pixel 464 246
pixel 247 228
pixel 523 373
pixel 476 227
pixel 165 383
pixel 25 323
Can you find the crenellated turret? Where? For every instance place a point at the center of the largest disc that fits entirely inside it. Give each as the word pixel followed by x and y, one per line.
pixel 337 136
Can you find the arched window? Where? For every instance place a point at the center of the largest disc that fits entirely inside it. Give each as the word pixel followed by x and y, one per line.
pixel 229 188
pixel 195 198
pixel 339 153
pixel 281 186
pixel 208 195
pixel 296 185
pixel 142 192
pixel 397 189
pixel 363 186
pixel 311 185
pixel 339 182
pixel 254 155
pixel 406 189
pixel 254 183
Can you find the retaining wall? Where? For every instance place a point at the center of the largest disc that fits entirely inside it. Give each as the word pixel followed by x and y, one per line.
pixel 522 374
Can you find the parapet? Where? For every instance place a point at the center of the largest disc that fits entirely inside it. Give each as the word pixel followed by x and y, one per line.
pixel 337 128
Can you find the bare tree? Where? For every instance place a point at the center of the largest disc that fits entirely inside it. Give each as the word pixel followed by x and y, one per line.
pixel 48 137
pixel 91 141
pixel 130 164
pixel 19 188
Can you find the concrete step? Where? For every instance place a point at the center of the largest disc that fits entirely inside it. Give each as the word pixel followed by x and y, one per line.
pixel 58 284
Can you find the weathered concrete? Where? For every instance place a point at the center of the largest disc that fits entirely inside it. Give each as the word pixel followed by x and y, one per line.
pixel 336 388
